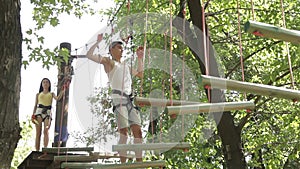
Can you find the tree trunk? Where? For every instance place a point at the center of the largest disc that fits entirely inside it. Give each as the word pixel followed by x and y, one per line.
pixel 10 80
pixel 229 133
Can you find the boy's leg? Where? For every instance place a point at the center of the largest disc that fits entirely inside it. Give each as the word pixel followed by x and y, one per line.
pixel 123 140
pixel 137 134
pixel 121 114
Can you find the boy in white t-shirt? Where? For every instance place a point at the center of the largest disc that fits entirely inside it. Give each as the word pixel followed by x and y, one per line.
pixel 119 75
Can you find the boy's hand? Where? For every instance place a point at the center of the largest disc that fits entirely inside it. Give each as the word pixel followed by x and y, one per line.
pixel 99 37
pixel 140 52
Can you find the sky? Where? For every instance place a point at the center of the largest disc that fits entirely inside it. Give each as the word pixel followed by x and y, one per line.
pixel 78 32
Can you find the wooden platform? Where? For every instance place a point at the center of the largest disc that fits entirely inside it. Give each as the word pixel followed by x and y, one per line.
pixel 271 31
pixel 73 165
pixel 260 89
pixel 32 161
pixel 151 146
pixel 141 101
pixel 79 157
pixel 210 107
pixel 49 158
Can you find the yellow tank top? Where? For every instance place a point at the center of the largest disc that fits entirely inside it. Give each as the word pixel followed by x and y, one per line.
pixel 45 99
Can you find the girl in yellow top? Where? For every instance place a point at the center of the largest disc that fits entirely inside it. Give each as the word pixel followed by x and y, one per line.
pixel 42 111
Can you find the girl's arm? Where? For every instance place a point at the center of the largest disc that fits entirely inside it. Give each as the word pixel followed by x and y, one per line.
pixel 61 93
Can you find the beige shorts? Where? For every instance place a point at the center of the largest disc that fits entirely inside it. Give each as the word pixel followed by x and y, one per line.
pixel 126 114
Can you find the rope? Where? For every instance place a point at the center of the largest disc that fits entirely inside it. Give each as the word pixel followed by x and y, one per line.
pixel 122 91
pixel 163 84
pixel 128 6
pixel 206 58
pixel 61 119
pixel 252 9
pixel 145 44
pixel 287 48
pixel 183 67
pixel 171 27
pixel 240 44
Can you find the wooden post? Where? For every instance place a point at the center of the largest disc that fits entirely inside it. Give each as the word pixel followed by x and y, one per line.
pixel 260 89
pixel 61 119
pixel 270 31
pixel 209 107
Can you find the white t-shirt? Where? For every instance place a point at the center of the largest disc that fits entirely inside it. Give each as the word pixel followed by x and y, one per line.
pixel 120 78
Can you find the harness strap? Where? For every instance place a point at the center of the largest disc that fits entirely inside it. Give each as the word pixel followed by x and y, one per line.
pixel 44 108
pixel 122 94
pixel 128 105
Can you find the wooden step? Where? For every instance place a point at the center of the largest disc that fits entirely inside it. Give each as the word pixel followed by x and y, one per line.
pixel 68 149
pixel 76 158
pixel 210 107
pixel 141 101
pixel 151 146
pixel 271 31
pixel 89 158
pixel 74 165
pixel 260 89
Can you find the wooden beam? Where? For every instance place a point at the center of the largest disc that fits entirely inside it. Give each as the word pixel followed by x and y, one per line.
pixel 270 31
pixel 67 149
pixel 151 146
pixel 209 107
pixel 74 165
pixel 260 89
pixel 141 101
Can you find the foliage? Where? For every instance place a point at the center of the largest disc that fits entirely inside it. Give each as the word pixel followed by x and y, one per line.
pixel 268 129
pixel 265 61
pixel 23 147
pixel 49 12
pixel 105 125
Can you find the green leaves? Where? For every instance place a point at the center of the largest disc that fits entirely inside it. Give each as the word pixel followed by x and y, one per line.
pixel 49 12
pixel 24 145
pixel 105 123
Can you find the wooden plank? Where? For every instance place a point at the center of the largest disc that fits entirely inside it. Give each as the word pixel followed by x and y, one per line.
pixel 260 89
pixel 271 31
pixel 67 149
pixel 141 101
pixel 209 107
pixel 76 158
pixel 151 146
pixel 74 165
pixel 90 158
